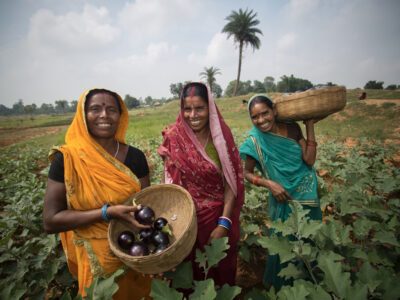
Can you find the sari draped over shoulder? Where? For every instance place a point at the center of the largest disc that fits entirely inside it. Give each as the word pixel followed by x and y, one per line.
pixel 284 164
pixel 188 165
pixel 93 178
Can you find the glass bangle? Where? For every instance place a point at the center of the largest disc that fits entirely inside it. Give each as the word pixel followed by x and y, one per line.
pixel 104 214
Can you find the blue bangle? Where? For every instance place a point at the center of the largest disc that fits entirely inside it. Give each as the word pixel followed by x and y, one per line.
pixel 224 223
pixel 104 214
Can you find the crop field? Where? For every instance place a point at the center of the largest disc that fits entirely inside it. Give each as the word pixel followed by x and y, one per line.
pixel 353 254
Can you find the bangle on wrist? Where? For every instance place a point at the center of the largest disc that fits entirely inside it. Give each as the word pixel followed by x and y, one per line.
pixel 255 180
pixel 224 223
pixel 312 143
pixel 104 214
pixel 226 218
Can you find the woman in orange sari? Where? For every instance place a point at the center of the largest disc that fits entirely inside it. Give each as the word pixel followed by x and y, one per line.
pixel 89 179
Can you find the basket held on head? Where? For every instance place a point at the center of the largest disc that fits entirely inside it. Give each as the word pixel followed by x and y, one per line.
pixel 313 104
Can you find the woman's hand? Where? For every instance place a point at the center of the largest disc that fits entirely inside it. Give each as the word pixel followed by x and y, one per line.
pixel 217 233
pixel 280 194
pixel 126 213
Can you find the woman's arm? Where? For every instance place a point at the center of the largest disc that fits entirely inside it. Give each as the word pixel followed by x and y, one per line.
pixel 309 147
pixel 280 194
pixel 145 181
pixel 229 205
pixel 58 218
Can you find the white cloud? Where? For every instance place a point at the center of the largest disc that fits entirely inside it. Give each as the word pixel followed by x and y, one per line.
pixel 144 18
pixel 219 51
pixel 72 31
pixel 298 8
pixel 287 42
pixel 154 53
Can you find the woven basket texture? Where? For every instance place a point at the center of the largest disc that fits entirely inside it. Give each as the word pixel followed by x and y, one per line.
pixel 317 103
pixel 167 200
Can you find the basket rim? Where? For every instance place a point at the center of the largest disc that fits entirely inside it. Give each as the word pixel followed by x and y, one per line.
pixel 306 94
pixel 124 255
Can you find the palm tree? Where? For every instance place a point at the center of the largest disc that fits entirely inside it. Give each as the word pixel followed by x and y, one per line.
pixel 209 75
pixel 241 25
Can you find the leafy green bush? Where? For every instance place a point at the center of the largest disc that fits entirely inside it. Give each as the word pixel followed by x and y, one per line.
pixel 353 254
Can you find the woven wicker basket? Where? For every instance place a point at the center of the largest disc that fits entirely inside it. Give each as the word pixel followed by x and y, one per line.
pixel 317 103
pixel 166 200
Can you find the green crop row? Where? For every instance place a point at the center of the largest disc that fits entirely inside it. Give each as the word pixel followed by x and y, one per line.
pixel 353 254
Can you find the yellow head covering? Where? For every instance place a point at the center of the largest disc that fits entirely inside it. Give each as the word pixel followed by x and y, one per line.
pixel 92 178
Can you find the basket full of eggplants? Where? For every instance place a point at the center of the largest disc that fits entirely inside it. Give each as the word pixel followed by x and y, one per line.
pixel 170 212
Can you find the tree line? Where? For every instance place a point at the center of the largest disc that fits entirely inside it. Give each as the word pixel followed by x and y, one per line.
pixel 286 84
pixel 64 106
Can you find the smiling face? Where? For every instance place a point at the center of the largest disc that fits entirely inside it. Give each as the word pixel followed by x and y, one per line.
pixel 102 115
pixel 195 113
pixel 263 117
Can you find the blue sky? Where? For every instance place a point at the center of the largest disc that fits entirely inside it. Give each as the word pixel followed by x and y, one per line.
pixel 53 49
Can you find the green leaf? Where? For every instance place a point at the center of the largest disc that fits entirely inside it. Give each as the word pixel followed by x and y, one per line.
pixel 369 276
pixel 278 245
pixel 216 251
pixel 250 228
pixel 182 277
pixel 103 289
pixel 319 294
pixel 362 227
pixel 311 228
pixel 228 292
pixel 357 292
pixel 201 258
pixel 282 227
pixel 12 292
pixel 335 279
pixel 291 271
pixel 335 232
pixel 297 291
pixel 203 290
pixel 161 291
pixel 244 253
pixel 376 258
pixel 387 185
pixel 387 237
pixel 359 254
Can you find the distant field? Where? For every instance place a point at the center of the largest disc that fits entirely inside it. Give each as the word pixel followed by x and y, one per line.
pixel 367 118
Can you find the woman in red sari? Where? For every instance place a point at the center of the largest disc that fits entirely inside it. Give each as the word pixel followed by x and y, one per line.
pixel 200 155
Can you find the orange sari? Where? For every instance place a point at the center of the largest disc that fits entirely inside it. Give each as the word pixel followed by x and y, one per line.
pixel 93 178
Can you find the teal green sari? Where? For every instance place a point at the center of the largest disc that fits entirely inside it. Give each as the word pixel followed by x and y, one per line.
pixel 282 158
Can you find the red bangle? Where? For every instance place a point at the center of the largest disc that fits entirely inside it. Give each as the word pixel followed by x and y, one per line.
pixel 312 143
pixel 255 180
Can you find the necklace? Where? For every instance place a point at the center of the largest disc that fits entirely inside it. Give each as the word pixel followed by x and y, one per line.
pixel 116 153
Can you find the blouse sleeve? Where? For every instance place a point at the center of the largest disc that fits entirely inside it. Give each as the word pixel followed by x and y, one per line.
pixel 56 171
pixel 136 161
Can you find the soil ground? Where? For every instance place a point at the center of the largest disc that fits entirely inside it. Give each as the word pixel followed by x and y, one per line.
pixel 250 275
pixel 381 101
pixel 15 135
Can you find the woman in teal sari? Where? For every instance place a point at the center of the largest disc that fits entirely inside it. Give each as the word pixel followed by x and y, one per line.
pixel 285 159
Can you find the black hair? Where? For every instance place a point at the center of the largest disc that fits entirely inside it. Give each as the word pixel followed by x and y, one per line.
pixel 195 89
pixel 99 91
pixel 261 99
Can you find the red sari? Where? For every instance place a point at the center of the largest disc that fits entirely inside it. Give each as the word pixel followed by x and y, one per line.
pixel 188 165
